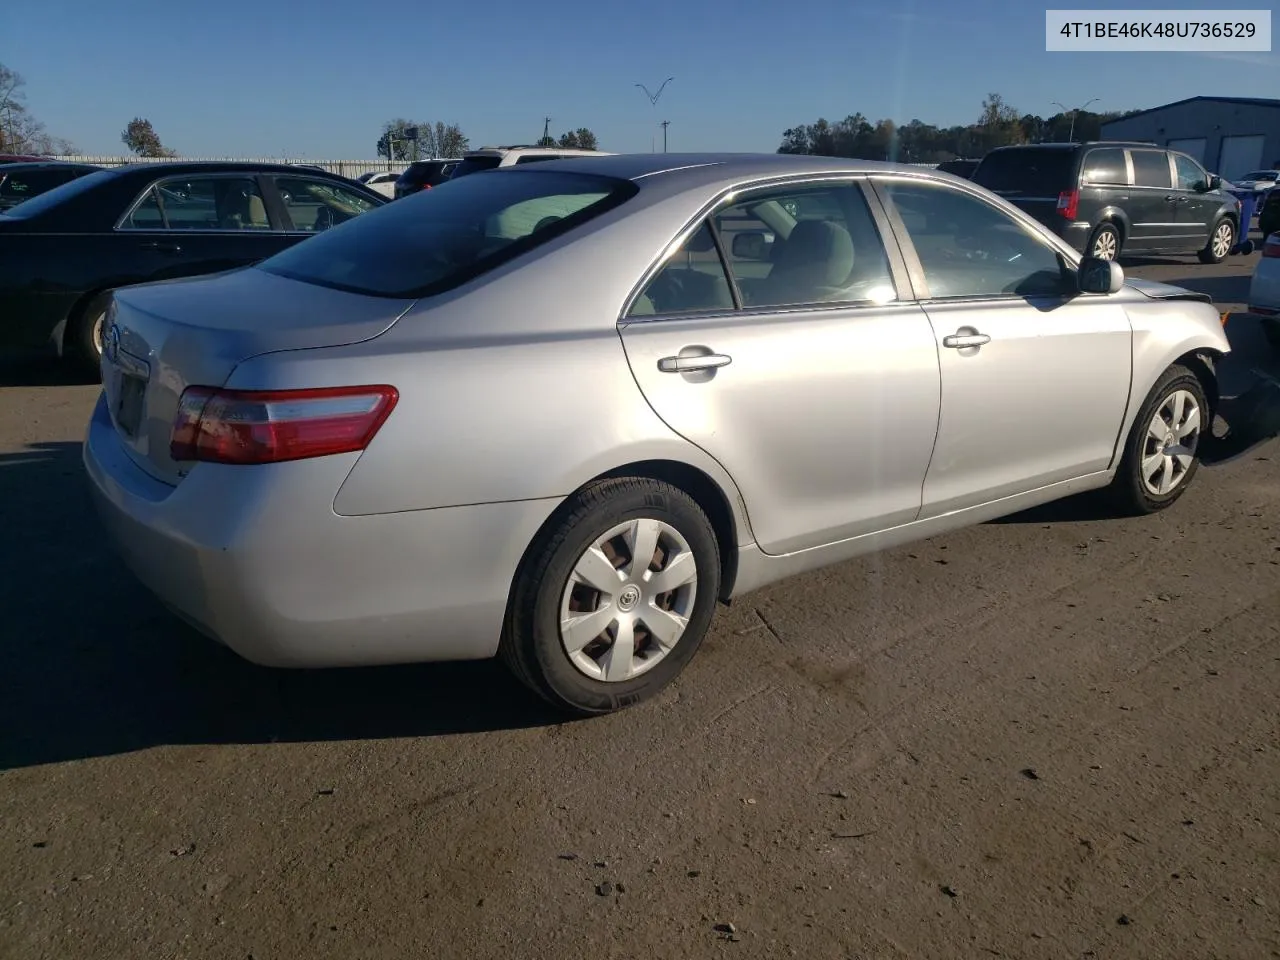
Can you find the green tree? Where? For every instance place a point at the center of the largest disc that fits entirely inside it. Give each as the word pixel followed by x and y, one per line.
pixel 580 139
pixel 140 137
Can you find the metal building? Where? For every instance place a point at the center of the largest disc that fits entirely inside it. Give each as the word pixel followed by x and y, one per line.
pixel 1230 136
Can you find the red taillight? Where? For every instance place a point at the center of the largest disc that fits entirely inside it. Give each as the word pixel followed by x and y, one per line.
pixel 1069 203
pixel 1272 247
pixel 246 426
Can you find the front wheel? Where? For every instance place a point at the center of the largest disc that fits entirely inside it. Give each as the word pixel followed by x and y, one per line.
pixel 1221 240
pixel 1162 452
pixel 615 598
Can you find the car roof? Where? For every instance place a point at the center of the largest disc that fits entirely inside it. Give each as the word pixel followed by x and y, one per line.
pixel 172 167
pixel 1079 144
pixel 47 165
pixel 727 166
pixel 555 151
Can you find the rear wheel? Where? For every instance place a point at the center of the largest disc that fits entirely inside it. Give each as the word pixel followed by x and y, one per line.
pixel 615 598
pixel 1221 240
pixel 82 341
pixel 1105 242
pixel 1162 453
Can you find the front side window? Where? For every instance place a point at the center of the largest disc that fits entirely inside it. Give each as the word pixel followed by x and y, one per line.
pixel 1151 168
pixel 1190 176
pixel 802 245
pixel 201 203
pixel 454 235
pixel 316 205
pixel 969 248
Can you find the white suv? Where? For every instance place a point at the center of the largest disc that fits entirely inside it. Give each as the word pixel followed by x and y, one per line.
pixel 491 158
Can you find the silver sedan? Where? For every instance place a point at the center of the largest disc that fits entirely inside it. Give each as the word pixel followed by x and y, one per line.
pixel 555 413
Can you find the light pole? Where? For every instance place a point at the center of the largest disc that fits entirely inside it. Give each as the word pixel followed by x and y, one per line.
pixel 1073 111
pixel 653 101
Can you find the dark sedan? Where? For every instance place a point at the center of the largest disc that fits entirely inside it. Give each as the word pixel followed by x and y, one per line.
pixel 22 181
pixel 63 251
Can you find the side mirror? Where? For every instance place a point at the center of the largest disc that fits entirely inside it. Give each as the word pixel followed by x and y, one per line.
pixel 1215 183
pixel 750 245
pixel 1100 276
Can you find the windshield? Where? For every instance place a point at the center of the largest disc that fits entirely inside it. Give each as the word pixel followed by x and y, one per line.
pixel 58 195
pixel 1027 171
pixel 440 238
pixel 1262 175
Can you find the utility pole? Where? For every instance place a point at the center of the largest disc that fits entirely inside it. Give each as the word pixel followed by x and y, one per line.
pixel 546 130
pixel 665 124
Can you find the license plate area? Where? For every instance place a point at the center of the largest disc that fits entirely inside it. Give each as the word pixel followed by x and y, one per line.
pixel 130 391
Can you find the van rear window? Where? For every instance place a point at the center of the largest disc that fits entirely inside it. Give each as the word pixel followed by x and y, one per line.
pixel 1027 171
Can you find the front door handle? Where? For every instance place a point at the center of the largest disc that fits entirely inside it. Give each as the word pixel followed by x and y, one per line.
pixel 960 340
pixel 162 246
pixel 692 364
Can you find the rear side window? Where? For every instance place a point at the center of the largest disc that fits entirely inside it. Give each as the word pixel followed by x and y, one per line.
pixel 1106 167
pixel 1151 168
pixel 1027 171
pixel 474 165
pixel 448 237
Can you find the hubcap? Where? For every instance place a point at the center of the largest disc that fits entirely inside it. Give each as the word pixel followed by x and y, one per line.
pixel 1104 248
pixel 1169 448
pixel 628 600
pixel 1222 240
pixel 96 333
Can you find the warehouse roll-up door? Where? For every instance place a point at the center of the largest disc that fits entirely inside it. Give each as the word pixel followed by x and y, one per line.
pixel 1193 147
pixel 1239 156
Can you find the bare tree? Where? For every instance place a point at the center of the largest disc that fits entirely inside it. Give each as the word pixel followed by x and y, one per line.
pixel 20 132
pixel 443 140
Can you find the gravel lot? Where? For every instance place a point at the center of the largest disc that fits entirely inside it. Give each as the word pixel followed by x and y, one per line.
pixel 1054 736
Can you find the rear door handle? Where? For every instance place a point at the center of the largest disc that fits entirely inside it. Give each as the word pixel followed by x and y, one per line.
pixel 706 361
pixel 960 340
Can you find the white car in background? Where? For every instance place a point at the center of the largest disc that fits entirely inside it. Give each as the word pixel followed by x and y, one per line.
pixel 1264 290
pixel 1260 181
pixel 383 181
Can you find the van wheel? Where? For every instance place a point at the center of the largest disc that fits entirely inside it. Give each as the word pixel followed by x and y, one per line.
pixel 82 341
pixel 615 597
pixel 1105 242
pixel 1221 240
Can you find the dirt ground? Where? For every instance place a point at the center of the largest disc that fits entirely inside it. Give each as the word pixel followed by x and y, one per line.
pixel 1053 736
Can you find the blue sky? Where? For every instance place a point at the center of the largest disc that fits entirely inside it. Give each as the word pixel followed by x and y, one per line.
pixel 317 78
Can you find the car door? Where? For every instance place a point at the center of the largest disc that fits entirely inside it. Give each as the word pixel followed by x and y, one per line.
pixel 1197 210
pixel 816 387
pixel 1035 377
pixel 199 224
pixel 1153 205
pixel 312 205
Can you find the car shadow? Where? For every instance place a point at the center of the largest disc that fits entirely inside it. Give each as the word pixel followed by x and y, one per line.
pixel 92 665
pixel 37 368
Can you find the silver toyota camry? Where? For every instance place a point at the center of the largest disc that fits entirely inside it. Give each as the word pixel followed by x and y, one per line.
pixel 555 413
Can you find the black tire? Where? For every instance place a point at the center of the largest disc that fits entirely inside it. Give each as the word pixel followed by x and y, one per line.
pixel 1104 230
pixel 531 643
pixel 1207 255
pixel 82 341
pixel 1129 493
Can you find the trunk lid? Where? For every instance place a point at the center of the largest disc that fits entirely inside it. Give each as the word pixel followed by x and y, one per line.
pixel 162 338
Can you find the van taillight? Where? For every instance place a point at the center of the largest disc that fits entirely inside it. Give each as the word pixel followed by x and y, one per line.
pixel 1069 203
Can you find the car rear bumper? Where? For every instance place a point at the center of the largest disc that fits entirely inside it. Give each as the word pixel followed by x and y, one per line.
pixel 1264 289
pixel 256 558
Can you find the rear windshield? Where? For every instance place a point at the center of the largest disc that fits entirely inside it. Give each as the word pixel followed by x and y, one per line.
pixel 58 195
pixel 1029 172
pixel 474 165
pixel 438 239
pixel 17 187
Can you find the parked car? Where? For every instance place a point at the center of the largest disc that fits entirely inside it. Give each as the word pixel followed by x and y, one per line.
pixel 422 175
pixel 61 252
pixel 20 158
pixel 1269 214
pixel 381 181
pixel 555 415
pixel 959 168
pixel 22 181
pixel 1112 197
pixel 1261 181
pixel 493 158
pixel 1264 289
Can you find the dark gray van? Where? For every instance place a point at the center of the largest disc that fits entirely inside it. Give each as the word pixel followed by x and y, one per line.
pixel 1108 196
